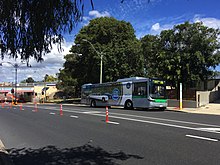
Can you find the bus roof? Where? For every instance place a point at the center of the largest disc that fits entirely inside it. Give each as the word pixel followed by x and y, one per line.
pixel 132 79
pixel 124 80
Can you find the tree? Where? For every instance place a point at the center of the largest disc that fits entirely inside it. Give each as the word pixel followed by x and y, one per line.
pixel 28 28
pixel 66 82
pixel 28 80
pixel 150 48
pixel 186 53
pixel 116 39
pixel 49 78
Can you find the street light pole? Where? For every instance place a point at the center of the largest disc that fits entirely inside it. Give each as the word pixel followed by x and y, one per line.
pixel 101 57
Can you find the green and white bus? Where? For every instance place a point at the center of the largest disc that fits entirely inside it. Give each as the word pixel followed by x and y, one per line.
pixel 134 92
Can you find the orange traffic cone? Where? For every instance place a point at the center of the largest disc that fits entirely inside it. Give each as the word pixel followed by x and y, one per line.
pixel 21 107
pixel 35 106
pixel 61 110
pixel 106 118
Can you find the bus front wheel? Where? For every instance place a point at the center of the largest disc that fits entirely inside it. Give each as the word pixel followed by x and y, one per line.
pixel 163 109
pixel 93 103
pixel 128 104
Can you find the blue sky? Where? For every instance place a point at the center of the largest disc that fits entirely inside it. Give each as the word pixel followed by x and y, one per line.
pixel 153 17
pixel 146 18
pixel 164 14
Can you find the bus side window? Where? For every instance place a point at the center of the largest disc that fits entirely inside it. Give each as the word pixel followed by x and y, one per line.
pixel 140 89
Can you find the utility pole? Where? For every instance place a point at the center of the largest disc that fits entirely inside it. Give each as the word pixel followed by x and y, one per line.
pixel 101 57
pixel 16 66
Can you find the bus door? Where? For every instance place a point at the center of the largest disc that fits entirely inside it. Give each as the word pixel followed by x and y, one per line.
pixel 139 95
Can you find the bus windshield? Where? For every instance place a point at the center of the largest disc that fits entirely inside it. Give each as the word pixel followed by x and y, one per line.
pixel 157 90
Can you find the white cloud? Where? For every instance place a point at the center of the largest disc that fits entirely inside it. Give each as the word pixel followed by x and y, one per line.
pixel 155 27
pixel 51 65
pixel 210 22
pixel 94 14
pixel 86 18
pixel 97 14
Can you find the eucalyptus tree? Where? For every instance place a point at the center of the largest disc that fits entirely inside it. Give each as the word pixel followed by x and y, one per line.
pixel 112 38
pixel 187 53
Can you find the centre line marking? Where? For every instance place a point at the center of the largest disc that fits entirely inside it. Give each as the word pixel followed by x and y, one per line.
pixel 203 138
pixel 74 116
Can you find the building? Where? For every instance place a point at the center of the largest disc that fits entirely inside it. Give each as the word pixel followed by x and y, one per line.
pixel 28 92
pixel 200 95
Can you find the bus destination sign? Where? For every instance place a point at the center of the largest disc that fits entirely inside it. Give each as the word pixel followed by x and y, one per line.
pixel 158 82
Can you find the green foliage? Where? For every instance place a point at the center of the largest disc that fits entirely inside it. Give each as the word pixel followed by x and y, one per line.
pixel 185 53
pixel 115 40
pixel 30 27
pixel 149 47
pixel 28 80
pixel 50 78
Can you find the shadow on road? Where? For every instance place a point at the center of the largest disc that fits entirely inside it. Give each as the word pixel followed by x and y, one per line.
pixel 51 155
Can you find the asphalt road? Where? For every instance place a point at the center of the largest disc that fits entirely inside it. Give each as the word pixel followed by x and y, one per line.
pixel 81 136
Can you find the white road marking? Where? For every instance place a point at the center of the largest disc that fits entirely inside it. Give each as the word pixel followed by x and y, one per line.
pixel 112 122
pixel 94 113
pixel 158 123
pixel 74 116
pixel 211 129
pixel 177 121
pixel 89 112
pixel 145 117
pixel 203 138
pixel 51 113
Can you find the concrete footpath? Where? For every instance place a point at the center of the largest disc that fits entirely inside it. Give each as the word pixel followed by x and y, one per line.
pixel 210 109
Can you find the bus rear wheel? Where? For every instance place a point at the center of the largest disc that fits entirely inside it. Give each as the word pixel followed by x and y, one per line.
pixel 128 104
pixel 103 99
pixel 93 103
